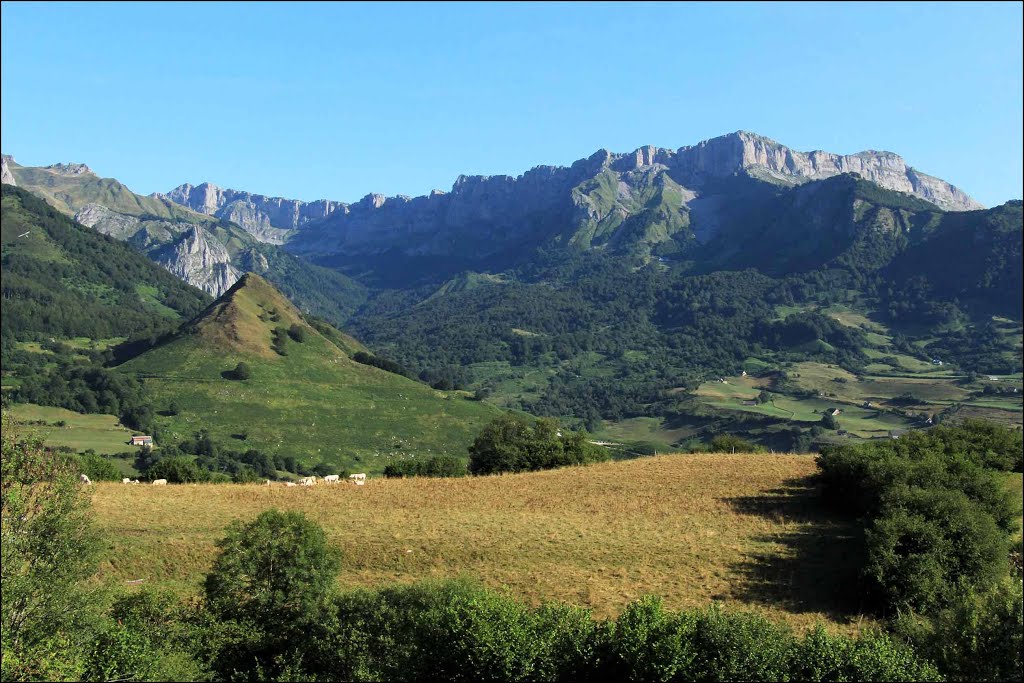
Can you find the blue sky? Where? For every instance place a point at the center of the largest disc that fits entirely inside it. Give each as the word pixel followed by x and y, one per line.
pixel 338 100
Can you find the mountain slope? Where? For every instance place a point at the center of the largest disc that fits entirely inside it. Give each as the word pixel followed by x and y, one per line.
pixel 312 402
pixel 62 279
pixel 207 252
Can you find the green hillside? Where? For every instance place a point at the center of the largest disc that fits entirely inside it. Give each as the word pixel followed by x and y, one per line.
pixel 155 225
pixel 305 399
pixel 61 279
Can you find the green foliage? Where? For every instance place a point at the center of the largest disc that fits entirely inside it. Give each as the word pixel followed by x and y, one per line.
pixel 297 333
pixel 241 371
pixel 97 468
pixel 177 470
pixel 279 341
pixel 436 466
pixel 65 280
pixel 936 520
pixel 511 443
pixel 729 443
pixel 49 547
pixel 979 637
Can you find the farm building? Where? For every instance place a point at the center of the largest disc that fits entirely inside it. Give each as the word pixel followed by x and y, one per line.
pixel 142 440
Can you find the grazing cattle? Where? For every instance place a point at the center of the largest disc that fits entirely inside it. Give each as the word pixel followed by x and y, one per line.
pixel 135 481
pixel 358 479
pixel 159 482
pixel 331 479
pixel 84 479
pixel 266 483
pixel 307 481
pixel 290 483
pixel 126 480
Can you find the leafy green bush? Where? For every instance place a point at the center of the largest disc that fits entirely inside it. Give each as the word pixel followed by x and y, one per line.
pixel 177 469
pixel 241 371
pixel 297 333
pixel 936 520
pixel 49 545
pixel 436 466
pixel 979 637
pixel 97 468
pixel 511 443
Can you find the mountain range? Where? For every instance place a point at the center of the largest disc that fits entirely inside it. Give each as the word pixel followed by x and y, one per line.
pixel 602 289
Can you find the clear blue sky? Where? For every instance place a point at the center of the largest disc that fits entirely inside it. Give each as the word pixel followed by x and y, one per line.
pixel 336 101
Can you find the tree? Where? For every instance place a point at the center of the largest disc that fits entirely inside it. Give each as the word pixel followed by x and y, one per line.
pixel 179 469
pixel 510 443
pixel 241 371
pixel 272 581
pixel 273 570
pixel 48 547
pixel 297 333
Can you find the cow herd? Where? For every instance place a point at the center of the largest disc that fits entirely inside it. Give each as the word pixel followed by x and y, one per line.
pixel 357 479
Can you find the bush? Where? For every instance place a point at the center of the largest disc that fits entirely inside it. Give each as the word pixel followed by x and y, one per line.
pixel 297 333
pixel 511 443
pixel 936 520
pixel 97 468
pixel 241 372
pixel 272 580
pixel 177 469
pixel 436 466
pixel 929 543
pixel 728 443
pixel 49 546
pixel 979 637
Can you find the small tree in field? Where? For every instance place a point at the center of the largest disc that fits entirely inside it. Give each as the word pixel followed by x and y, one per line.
pixel 272 578
pixel 241 371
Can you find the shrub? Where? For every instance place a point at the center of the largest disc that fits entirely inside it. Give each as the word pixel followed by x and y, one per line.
pixel 241 372
pixel 436 466
pixel 978 637
pixel 97 468
pixel 728 443
pixel 177 469
pixel 511 443
pixel 297 333
pixel 48 547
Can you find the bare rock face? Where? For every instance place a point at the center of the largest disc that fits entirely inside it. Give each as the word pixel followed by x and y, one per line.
pixel 200 261
pixel 71 169
pixel 269 219
pixel 742 151
pixel 6 177
pixel 182 248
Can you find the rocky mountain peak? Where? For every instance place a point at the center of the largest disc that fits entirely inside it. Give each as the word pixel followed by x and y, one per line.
pixel 70 169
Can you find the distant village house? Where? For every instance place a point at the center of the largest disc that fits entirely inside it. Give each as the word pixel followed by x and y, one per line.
pixel 141 440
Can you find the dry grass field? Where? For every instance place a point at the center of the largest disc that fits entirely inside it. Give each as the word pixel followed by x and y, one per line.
pixel 740 529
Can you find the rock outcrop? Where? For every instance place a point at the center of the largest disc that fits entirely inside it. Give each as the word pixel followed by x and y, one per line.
pixel 200 261
pixel 6 177
pixel 269 219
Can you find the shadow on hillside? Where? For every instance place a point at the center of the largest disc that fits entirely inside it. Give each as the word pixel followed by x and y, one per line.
pixel 816 569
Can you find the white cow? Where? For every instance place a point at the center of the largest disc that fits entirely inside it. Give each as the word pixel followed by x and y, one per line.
pixel 358 479
pixel 159 482
pixel 290 483
pixel 126 480
pixel 307 481
pixel 135 481
pixel 266 483
pixel 84 479
pixel 331 479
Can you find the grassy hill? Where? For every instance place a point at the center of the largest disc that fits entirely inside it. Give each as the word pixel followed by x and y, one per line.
pixel 744 530
pixel 312 402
